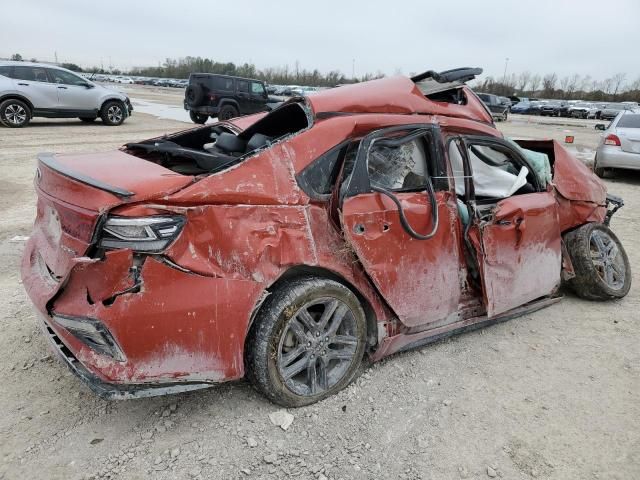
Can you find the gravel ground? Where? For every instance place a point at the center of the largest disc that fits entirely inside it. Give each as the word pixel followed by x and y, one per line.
pixel 552 395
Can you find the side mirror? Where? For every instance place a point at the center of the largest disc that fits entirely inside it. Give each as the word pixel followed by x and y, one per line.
pixel 600 126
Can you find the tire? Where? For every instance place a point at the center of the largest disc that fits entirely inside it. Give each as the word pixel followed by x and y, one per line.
pixel 197 118
pixel 113 113
pixel 14 113
pixel 88 119
pixel 505 116
pixel 599 171
pixel 600 263
pixel 282 328
pixel 194 95
pixel 227 112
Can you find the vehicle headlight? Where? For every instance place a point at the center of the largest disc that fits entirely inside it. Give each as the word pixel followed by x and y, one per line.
pixel 142 234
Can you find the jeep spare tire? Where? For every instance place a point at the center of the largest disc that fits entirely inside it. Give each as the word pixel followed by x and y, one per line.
pixel 194 95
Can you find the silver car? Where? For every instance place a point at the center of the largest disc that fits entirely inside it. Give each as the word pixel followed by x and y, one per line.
pixel 30 90
pixel 620 144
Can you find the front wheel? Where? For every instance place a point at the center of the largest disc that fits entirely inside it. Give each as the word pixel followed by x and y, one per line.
pixel 601 265
pixel 197 118
pixel 307 342
pixel 113 113
pixel 14 113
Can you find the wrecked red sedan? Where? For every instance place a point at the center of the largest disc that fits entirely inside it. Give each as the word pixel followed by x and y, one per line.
pixel 287 247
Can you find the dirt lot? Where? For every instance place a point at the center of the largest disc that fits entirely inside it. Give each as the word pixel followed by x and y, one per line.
pixel 552 395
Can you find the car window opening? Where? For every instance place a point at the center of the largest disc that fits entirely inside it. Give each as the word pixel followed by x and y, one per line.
pixel 211 149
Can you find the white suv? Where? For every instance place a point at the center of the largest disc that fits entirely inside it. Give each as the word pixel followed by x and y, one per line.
pixel 35 90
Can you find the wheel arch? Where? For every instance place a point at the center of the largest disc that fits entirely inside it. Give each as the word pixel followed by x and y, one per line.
pixel 298 271
pixel 17 96
pixel 229 101
pixel 110 99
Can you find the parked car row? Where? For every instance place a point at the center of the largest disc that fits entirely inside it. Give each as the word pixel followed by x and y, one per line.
pixel 575 109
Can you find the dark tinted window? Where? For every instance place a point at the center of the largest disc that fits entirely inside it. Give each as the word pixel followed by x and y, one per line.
pixel 243 86
pixel 5 70
pixel 318 179
pixel 484 97
pixel 33 74
pixel 629 121
pixel 221 83
pixel 66 78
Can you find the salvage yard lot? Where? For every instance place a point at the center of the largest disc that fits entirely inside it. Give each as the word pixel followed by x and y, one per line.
pixel 554 394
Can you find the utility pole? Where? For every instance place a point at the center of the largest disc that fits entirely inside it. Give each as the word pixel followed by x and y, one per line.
pixel 55 54
pixel 504 76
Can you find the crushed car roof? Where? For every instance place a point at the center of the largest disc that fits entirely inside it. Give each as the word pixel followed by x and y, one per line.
pixel 395 95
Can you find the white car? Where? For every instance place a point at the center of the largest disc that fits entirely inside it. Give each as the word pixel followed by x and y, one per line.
pixel 30 90
pixel 583 110
pixel 127 80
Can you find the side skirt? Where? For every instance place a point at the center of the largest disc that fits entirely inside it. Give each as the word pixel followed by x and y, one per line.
pixel 404 341
pixel 63 113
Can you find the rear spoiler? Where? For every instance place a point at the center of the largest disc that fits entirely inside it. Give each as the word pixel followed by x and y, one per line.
pixel 48 160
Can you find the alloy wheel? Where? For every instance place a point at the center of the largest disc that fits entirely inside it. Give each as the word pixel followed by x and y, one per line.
pixel 607 259
pixel 15 114
pixel 114 113
pixel 317 347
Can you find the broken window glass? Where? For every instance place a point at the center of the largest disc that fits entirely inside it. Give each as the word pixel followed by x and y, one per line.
pixel 400 167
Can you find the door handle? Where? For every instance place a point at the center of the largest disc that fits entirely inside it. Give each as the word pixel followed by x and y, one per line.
pixel 24 84
pixel 63 88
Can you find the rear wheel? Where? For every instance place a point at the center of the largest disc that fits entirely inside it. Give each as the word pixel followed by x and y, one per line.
pixel 197 118
pixel 113 113
pixel 599 171
pixel 307 342
pixel 227 112
pixel 600 263
pixel 14 113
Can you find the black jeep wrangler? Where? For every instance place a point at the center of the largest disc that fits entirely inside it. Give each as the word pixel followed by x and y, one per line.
pixel 222 96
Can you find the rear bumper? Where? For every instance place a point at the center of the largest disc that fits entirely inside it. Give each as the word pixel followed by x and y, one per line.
pixel 160 331
pixel 613 157
pixel 106 390
pixel 203 109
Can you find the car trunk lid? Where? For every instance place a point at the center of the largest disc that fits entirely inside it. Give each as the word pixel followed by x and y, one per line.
pixel 629 139
pixel 74 191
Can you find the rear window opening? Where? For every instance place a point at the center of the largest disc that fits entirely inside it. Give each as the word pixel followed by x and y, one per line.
pixel 211 149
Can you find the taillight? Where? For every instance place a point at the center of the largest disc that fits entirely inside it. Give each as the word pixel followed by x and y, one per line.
pixel 142 234
pixel 612 140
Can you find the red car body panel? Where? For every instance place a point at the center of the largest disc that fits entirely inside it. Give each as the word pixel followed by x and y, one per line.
pixel 401 267
pixel 184 315
pixel 520 252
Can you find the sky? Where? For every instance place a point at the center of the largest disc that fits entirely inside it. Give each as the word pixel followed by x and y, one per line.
pixel 587 37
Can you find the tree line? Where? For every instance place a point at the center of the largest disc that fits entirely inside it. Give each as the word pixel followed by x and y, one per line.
pixel 571 87
pixel 525 84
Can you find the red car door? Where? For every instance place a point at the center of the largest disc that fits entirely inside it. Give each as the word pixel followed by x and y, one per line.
pixel 414 264
pixel 517 238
